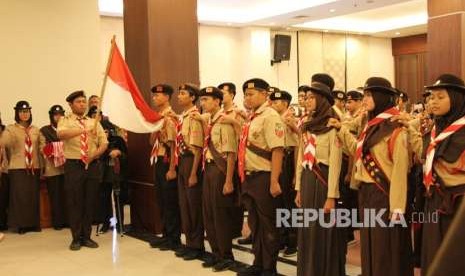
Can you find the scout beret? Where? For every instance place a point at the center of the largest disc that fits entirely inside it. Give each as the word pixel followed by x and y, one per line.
pixel 324 79
pixel 272 89
pixel 323 90
pixel 76 94
pixel 281 95
pixel 163 88
pixel 228 86
pixel 354 95
pixel 211 91
pixel 447 81
pixel 303 88
pixel 191 88
pixel 338 94
pixel 256 84
pixel 379 84
pixel 56 109
pixel 402 95
pixel 22 105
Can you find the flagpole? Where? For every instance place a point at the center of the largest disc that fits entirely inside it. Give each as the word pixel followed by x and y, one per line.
pixel 102 90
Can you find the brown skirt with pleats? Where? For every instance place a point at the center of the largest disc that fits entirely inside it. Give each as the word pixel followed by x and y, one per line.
pixel 23 210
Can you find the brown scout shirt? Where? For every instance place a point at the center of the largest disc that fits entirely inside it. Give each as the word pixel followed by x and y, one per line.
pixel 167 132
pixel 72 147
pixel 222 136
pixel 192 130
pixel 396 169
pixel 328 152
pixel 266 132
pixel 13 138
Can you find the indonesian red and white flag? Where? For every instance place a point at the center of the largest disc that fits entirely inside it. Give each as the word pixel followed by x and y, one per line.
pixel 122 101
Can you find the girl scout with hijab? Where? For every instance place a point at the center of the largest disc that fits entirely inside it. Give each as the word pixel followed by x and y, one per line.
pixel 317 184
pixel 444 169
pixel 22 141
pixel 381 160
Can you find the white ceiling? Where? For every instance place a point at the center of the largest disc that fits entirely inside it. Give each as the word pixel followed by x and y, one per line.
pixel 388 18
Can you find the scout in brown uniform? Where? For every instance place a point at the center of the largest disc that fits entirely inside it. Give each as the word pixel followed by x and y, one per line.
pixel 163 158
pixel 381 167
pixel 189 143
pixel 52 150
pixel 84 141
pixel 260 159
pixel 321 250
pixel 444 169
pixel 280 102
pixel 220 147
pixel 4 184
pixel 22 142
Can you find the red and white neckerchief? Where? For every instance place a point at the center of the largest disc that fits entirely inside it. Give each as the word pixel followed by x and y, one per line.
pixel 179 138
pixel 243 146
pixel 155 149
pixel 431 150
pixel 84 141
pixel 387 114
pixel 207 136
pixel 309 150
pixel 301 120
pixel 28 149
pixel 58 154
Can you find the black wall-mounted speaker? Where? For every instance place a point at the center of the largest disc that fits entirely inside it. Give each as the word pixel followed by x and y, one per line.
pixel 282 47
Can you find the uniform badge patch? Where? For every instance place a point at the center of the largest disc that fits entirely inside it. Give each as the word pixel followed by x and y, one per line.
pixel 279 130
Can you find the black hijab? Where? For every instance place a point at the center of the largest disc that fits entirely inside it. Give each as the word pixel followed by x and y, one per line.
pixel 318 120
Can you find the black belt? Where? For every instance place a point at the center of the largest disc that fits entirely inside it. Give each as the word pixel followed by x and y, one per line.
pixel 80 161
pixel 253 173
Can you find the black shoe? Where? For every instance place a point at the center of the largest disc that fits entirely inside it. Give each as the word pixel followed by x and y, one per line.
pixel 170 245
pixel 89 243
pixel 105 227
pixel 247 240
pixel 252 270
pixel 209 261
pixel 290 252
pixel 75 245
pixel 22 231
pixel 58 228
pixel 156 242
pixel 223 265
pixel 192 254
pixel 36 229
pixel 181 251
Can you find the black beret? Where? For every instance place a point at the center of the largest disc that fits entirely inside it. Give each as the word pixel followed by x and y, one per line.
pixel 163 88
pixel 322 89
pixel 22 105
pixel 256 84
pixel 191 88
pixel 447 81
pixel 338 94
pixel 76 94
pixel 379 84
pixel 324 79
pixel 427 93
pixel 56 109
pixel 228 86
pixel 281 95
pixel 211 91
pixel 303 88
pixel 354 95
pixel 402 95
pixel 273 89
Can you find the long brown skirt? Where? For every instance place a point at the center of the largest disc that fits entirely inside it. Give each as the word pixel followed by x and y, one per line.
pixel 321 251
pixel 385 251
pixel 435 231
pixel 23 210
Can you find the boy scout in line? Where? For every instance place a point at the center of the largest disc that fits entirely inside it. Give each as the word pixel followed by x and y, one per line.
pixel 189 144
pixel 84 141
pixel 52 150
pixel 260 159
pixel 163 159
pixel 280 102
pixel 220 147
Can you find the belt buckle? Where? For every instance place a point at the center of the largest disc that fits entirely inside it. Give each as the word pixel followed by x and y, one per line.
pixel 209 161
pixel 248 172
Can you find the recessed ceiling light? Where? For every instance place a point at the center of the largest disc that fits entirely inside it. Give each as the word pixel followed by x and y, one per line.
pixel 332 10
pixel 397 33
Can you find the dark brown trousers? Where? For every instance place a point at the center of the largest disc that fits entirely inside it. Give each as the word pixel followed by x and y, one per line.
pixel 262 219
pixel 4 200
pixel 82 189
pixel 385 251
pixel 218 212
pixel 190 204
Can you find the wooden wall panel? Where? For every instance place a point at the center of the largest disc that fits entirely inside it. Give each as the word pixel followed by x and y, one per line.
pixel 409 45
pixel 442 7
